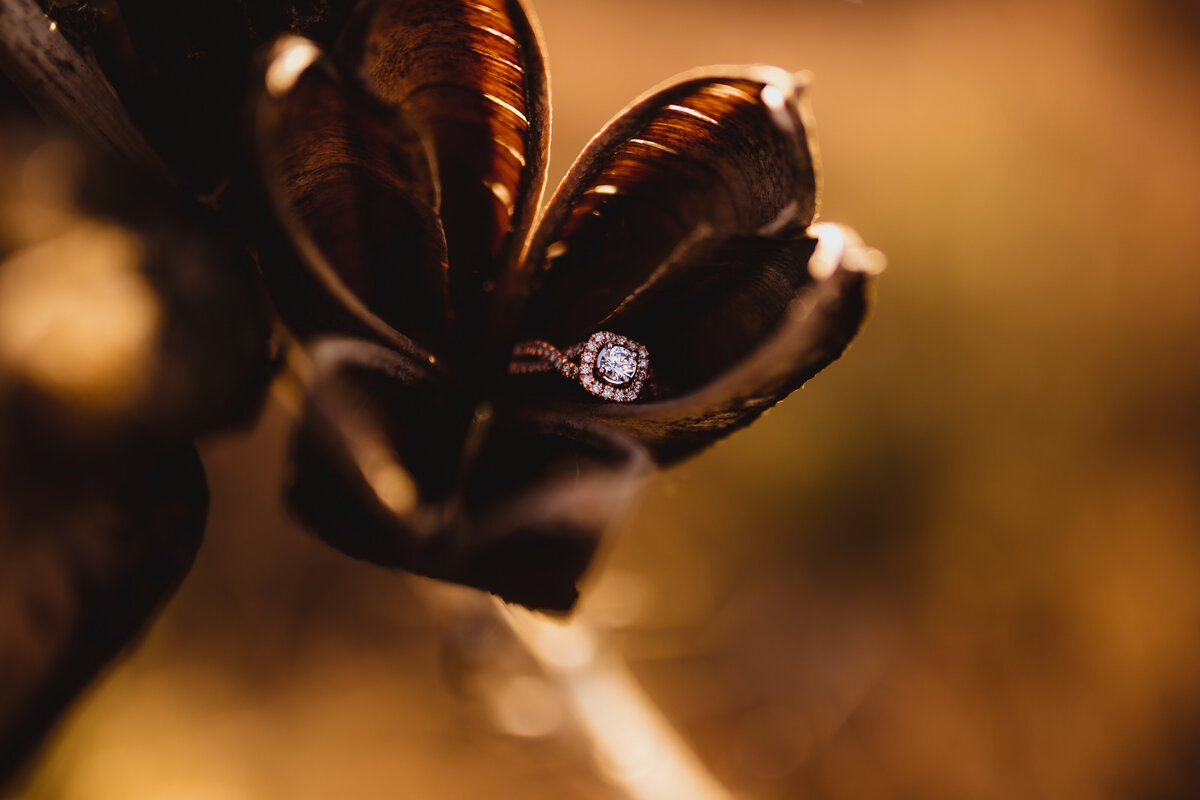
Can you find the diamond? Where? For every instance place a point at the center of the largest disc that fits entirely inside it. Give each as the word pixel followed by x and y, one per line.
pixel 616 365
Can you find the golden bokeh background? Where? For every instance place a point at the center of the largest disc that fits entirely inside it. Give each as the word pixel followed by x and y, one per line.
pixel 962 563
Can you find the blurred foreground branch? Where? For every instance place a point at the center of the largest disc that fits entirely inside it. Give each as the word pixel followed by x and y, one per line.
pixel 64 87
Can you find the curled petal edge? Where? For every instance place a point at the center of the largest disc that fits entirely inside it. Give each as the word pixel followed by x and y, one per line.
pixel 303 266
pixel 816 329
pixel 770 191
pixel 522 518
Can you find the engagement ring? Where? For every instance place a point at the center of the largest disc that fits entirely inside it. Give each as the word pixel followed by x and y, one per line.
pixel 610 366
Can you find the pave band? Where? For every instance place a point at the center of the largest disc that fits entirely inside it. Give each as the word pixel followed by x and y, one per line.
pixel 610 366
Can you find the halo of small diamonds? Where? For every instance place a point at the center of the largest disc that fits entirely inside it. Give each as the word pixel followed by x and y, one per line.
pixel 611 366
pixel 607 372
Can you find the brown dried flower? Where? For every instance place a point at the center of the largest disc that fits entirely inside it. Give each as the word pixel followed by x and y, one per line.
pixel 405 168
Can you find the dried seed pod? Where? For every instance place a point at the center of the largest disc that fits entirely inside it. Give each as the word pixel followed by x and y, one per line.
pixel 404 169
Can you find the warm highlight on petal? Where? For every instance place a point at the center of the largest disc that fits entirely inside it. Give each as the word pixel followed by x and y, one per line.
pixel 814 329
pixel 470 76
pixel 353 188
pixel 712 157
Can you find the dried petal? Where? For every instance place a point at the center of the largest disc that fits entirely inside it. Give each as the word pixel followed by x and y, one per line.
pixel 470 75
pixel 389 468
pixel 376 409
pixel 692 189
pixel 353 187
pixel 817 324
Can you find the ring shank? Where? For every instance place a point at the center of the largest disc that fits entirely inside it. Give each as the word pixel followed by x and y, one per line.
pixel 579 363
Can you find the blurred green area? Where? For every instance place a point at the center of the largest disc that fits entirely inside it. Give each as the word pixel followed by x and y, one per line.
pixel 963 562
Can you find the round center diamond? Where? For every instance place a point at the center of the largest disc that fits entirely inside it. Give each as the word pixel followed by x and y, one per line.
pixel 616 365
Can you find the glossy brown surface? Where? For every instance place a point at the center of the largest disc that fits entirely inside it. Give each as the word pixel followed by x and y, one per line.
pixel 668 184
pixel 470 77
pixel 354 187
pixel 684 225
pixel 816 321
